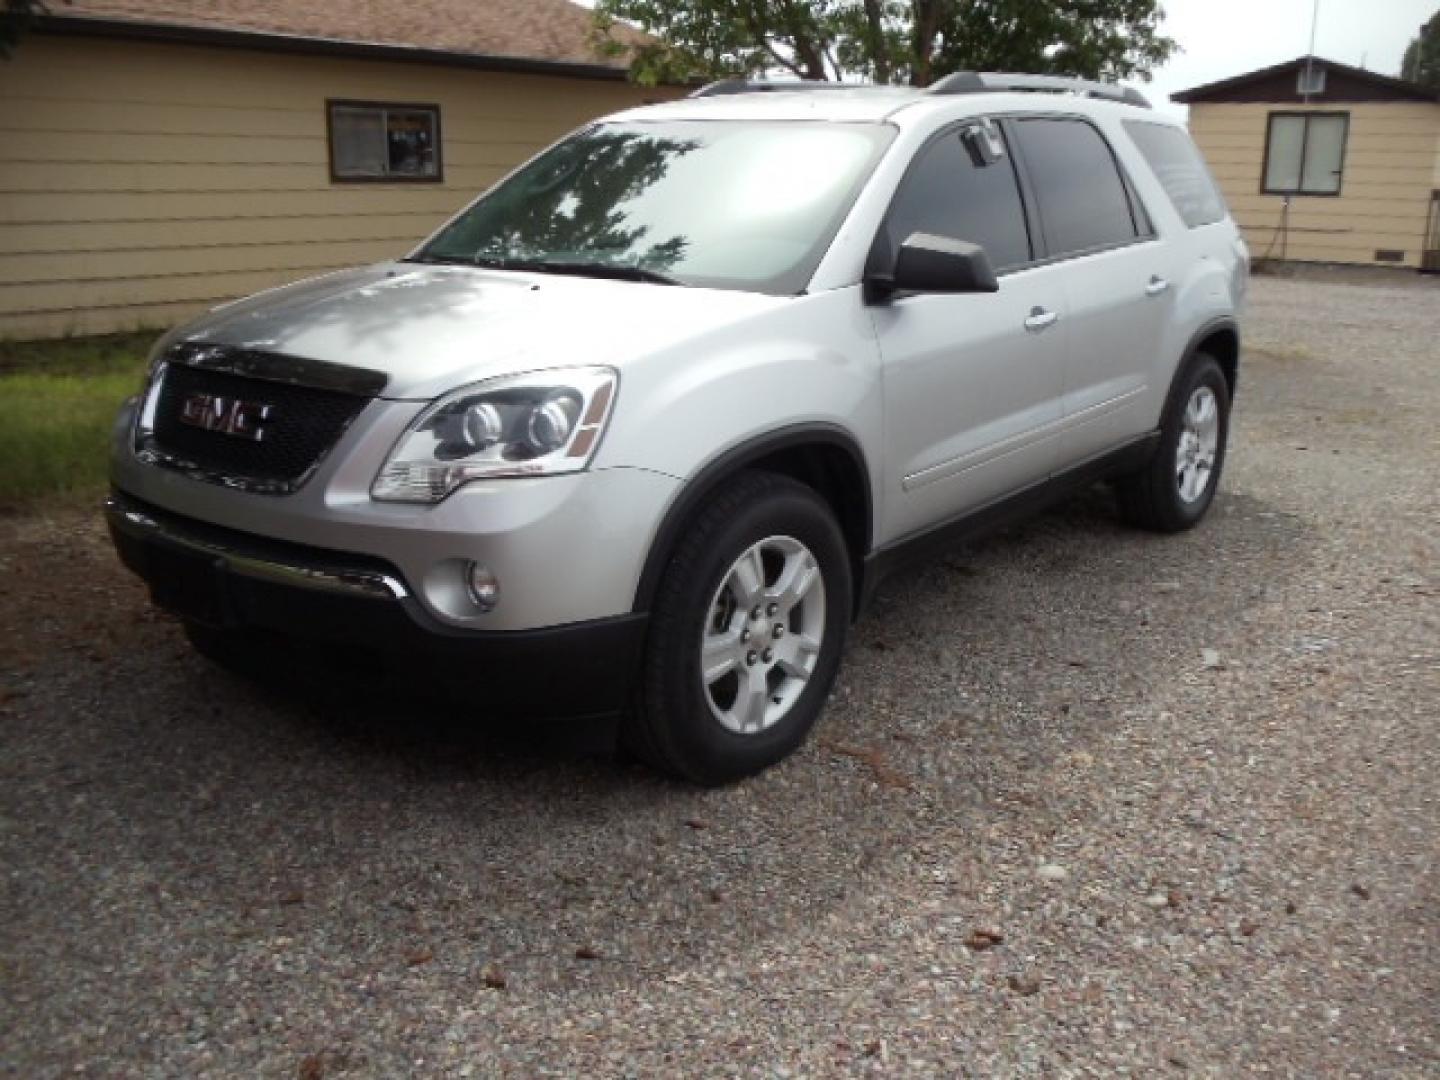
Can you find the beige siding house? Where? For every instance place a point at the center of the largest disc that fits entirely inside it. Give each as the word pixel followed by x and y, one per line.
pixel 161 156
pixel 1322 162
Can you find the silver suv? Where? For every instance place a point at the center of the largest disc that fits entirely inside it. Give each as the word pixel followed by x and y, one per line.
pixel 639 430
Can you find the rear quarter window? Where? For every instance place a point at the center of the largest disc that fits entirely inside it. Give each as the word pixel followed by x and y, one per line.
pixel 1177 164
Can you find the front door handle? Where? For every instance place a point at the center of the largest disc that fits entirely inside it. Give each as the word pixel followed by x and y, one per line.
pixel 1040 319
pixel 1156 285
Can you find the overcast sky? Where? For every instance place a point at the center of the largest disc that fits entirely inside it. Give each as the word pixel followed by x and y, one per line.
pixel 1220 38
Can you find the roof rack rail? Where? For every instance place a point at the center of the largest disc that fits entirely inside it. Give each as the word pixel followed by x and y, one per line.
pixel 989 82
pixel 766 86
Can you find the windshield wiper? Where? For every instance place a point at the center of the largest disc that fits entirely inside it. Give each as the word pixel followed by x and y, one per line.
pixel 443 260
pixel 578 268
pixel 618 271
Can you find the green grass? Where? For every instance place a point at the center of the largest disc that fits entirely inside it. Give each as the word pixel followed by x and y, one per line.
pixel 57 402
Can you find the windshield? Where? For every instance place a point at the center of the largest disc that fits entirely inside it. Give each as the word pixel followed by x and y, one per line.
pixel 726 204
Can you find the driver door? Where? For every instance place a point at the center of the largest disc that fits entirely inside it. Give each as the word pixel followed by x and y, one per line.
pixel 974 383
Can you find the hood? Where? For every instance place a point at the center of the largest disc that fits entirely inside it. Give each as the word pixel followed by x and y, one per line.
pixel 432 328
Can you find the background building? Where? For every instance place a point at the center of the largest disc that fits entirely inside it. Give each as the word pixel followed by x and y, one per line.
pixel 161 156
pixel 1323 162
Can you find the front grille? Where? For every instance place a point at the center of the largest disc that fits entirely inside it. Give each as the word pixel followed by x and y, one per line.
pixel 302 424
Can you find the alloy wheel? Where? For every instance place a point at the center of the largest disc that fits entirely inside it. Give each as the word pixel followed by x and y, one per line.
pixel 763 632
pixel 1199 444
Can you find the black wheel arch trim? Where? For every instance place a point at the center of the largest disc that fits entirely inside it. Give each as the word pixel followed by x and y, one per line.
pixel 1198 338
pixel 730 461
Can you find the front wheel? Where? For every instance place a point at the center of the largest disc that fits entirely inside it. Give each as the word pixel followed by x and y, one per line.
pixel 746 633
pixel 1173 491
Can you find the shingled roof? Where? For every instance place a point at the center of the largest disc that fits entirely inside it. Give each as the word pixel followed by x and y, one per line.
pixel 1277 84
pixel 518 35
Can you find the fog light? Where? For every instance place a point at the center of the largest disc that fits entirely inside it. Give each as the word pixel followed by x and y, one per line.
pixel 484 586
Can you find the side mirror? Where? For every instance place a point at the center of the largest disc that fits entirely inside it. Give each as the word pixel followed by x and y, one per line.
pixel 934 264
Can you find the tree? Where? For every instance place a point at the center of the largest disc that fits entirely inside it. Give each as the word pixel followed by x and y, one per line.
pixel 1422 56
pixel 885 41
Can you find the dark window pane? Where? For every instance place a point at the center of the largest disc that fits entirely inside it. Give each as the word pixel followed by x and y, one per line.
pixel 411 142
pixel 949 194
pixel 1082 199
pixel 1181 171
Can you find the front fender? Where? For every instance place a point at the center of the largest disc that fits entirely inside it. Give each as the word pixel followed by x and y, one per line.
pixel 807 373
pixel 810 362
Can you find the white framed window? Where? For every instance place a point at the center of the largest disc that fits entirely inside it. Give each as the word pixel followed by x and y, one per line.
pixel 1304 153
pixel 378 142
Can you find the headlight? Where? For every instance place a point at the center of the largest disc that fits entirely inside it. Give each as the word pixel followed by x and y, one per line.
pixel 539 424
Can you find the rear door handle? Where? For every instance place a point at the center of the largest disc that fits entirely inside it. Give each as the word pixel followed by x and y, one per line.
pixel 1156 286
pixel 1039 319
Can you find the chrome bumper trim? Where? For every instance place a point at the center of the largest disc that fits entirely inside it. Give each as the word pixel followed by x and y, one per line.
pixel 365 583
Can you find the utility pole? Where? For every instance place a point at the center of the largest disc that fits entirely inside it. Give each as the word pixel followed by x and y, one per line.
pixel 1310 54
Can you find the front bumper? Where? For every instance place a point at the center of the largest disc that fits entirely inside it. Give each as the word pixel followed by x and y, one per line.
pixel 565 549
pixel 233 580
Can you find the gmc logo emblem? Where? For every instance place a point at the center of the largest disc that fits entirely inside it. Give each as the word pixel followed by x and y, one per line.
pixel 228 416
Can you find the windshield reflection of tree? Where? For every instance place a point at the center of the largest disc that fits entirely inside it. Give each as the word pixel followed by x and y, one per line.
pixel 571 204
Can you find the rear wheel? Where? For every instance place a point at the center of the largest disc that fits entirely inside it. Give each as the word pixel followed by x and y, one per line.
pixel 746 633
pixel 1175 489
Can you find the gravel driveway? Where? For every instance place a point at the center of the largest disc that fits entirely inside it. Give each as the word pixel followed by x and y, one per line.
pixel 1087 801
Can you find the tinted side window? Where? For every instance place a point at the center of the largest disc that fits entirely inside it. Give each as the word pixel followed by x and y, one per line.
pixel 954 189
pixel 1181 171
pixel 1082 199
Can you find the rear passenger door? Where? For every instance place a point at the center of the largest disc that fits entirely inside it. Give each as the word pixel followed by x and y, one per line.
pixel 1119 279
pixel 972 382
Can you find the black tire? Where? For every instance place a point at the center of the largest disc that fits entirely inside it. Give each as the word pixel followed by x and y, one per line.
pixel 671 726
pixel 1151 498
